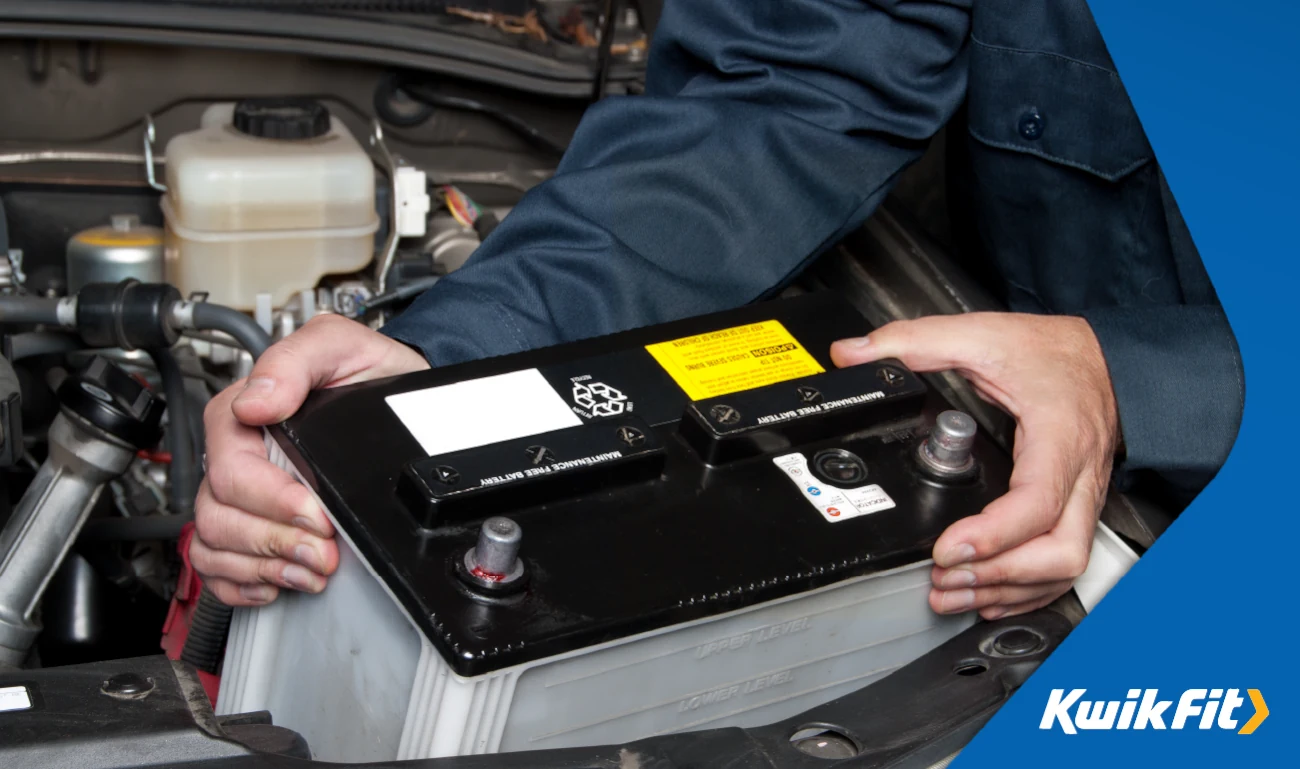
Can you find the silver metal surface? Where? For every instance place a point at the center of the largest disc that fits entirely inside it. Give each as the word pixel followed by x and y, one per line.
pixel 46 522
pixel 952 437
pixel 182 315
pixel 123 249
pixel 449 245
pixel 67 312
pixel 948 449
pixel 11 270
pixel 389 164
pixel 496 556
pixel 72 156
pixel 150 136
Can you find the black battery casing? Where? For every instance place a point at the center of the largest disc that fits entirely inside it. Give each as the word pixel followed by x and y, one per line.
pixel 693 521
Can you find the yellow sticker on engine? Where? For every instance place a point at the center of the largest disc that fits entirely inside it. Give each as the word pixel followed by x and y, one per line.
pixel 734 359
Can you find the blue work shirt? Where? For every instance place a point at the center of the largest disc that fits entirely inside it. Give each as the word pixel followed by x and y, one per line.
pixel 770 129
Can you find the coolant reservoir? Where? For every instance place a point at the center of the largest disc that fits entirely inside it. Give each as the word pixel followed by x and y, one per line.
pixel 268 196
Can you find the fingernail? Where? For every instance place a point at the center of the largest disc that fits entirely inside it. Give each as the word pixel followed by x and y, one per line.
pixel 861 341
pixel 992 614
pixel 957 600
pixel 310 524
pixel 257 389
pixel 958 554
pixel 307 556
pixel 958 578
pixel 256 593
pixel 300 579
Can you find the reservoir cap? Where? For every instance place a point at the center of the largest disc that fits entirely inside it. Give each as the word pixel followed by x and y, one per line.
pixel 285 118
pixel 112 400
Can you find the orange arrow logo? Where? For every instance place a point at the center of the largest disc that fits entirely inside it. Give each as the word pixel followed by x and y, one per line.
pixel 1261 712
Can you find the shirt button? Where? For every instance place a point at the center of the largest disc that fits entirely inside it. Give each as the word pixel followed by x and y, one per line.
pixel 1031 125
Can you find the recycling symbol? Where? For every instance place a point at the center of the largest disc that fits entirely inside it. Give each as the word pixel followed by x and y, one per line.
pixel 599 398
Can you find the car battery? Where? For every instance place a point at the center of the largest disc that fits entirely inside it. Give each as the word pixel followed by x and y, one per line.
pixel 693 525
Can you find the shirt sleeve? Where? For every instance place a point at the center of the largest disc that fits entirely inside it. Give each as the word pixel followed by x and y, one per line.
pixel 767 132
pixel 1178 384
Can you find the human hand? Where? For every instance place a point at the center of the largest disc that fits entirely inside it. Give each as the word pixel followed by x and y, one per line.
pixel 1026 548
pixel 256 529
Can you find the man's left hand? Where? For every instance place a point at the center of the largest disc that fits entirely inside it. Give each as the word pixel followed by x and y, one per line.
pixel 1027 547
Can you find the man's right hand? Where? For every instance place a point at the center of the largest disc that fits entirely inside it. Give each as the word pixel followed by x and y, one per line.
pixel 258 530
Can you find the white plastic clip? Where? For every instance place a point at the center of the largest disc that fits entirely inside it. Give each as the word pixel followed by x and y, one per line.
pixel 411 187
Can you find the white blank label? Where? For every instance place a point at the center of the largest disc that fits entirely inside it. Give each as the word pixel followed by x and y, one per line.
pixel 14 698
pixel 477 412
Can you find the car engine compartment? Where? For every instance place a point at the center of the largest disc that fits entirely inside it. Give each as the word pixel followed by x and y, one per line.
pixel 83 166
pixel 170 208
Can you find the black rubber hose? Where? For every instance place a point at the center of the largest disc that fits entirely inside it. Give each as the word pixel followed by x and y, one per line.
pixel 206 643
pixel 415 287
pixel 184 466
pixel 249 335
pixel 29 309
pixel 603 57
pixel 519 125
pixel 32 343
pixel 142 529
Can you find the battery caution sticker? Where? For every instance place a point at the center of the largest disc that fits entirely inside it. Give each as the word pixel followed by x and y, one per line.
pixel 835 504
pixel 734 359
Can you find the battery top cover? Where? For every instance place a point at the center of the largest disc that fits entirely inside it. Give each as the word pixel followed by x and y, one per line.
pixel 657 476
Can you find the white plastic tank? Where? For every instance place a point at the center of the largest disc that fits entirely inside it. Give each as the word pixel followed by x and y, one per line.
pixel 267 196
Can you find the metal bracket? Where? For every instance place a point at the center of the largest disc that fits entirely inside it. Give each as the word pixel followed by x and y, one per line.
pixel 389 164
pixel 150 136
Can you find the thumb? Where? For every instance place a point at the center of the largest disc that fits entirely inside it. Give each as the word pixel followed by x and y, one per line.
pixel 326 350
pixel 932 343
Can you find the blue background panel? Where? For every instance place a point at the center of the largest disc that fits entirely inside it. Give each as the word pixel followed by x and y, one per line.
pixel 1211 605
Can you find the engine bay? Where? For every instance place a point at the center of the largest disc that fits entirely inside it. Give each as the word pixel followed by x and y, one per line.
pixel 109 172
pixel 169 210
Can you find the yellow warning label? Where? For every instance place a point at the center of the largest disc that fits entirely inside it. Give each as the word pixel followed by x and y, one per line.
pixel 734 359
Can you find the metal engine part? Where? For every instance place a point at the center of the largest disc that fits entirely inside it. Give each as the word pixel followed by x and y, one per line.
pixel 449 244
pixel 106 417
pixel 123 249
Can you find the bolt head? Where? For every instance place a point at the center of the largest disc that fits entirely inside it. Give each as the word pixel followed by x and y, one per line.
pixel 890 376
pixel 631 436
pixel 127 686
pixel 724 414
pixel 540 455
pixel 809 394
pixel 1017 642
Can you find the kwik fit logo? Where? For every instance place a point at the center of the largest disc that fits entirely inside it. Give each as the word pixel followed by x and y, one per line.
pixel 1143 709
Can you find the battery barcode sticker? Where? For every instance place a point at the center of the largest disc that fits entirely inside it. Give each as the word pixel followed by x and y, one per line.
pixel 835 504
pixel 14 698
pixel 734 359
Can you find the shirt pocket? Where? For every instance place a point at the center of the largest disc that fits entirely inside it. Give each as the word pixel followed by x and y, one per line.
pixel 1059 109
pixel 1064 195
